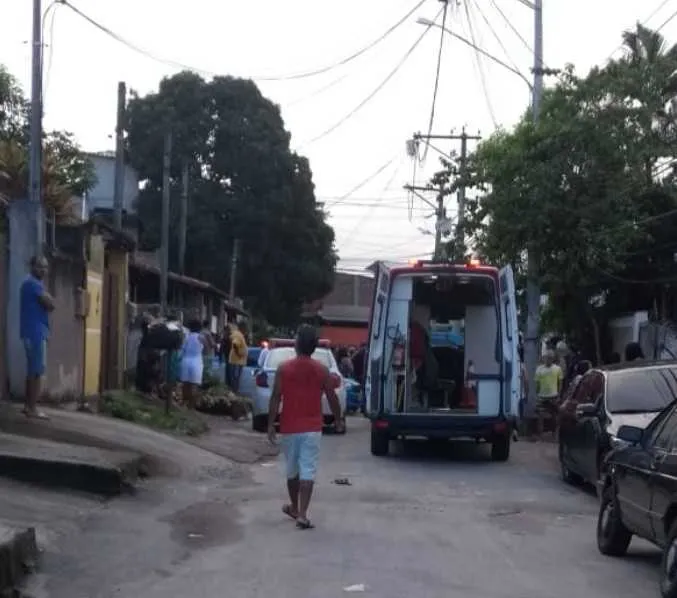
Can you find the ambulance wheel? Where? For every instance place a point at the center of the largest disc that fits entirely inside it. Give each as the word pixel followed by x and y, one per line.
pixel 380 443
pixel 500 448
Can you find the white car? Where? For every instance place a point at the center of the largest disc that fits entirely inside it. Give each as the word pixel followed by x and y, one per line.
pixel 266 376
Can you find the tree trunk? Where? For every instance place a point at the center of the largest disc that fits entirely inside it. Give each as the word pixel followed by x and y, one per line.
pixel 595 332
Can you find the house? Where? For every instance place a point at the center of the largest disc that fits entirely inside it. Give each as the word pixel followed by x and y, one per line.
pixel 100 197
pixel 343 315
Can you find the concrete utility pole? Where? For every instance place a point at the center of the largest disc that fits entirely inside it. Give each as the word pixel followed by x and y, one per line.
pixel 233 268
pixel 183 218
pixel 164 248
pixel 440 210
pixel 119 190
pixel 533 289
pixel 35 148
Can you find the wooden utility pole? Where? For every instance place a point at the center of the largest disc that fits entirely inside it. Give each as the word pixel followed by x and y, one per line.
pixel 233 268
pixel 164 248
pixel 119 189
pixel 183 218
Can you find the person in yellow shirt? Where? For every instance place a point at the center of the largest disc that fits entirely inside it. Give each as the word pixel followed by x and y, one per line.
pixel 548 380
pixel 237 357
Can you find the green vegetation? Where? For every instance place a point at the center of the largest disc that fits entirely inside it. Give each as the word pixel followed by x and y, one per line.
pixel 590 190
pixel 245 184
pixel 134 407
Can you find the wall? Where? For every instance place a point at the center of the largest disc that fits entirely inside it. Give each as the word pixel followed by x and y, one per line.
pixel 626 329
pixel 3 311
pixel 66 349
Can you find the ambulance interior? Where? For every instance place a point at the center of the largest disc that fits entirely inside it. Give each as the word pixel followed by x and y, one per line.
pixel 460 372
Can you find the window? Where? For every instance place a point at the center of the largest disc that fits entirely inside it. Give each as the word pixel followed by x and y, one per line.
pixel 641 390
pixel 276 357
pixel 663 431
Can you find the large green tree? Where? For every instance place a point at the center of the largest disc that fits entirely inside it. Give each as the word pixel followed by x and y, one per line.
pixel 580 190
pixel 245 184
pixel 66 171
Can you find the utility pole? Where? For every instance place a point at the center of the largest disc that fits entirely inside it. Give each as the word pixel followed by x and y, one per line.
pixel 183 219
pixel 164 249
pixel 233 268
pixel 119 190
pixel 35 159
pixel 533 289
pixel 440 210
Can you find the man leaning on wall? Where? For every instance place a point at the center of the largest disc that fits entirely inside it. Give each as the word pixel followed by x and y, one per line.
pixel 36 304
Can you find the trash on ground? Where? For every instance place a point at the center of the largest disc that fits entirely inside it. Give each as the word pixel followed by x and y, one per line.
pixel 342 482
pixel 360 587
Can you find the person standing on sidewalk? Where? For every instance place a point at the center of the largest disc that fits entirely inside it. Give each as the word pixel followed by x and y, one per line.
pixel 36 304
pixel 299 385
pixel 548 380
pixel 237 358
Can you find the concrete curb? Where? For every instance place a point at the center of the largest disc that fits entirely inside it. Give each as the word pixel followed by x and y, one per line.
pixel 54 464
pixel 18 557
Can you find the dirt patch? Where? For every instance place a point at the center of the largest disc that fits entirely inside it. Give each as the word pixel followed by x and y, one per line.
pixel 205 525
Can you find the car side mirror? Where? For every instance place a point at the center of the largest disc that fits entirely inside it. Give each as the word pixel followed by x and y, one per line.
pixel 630 434
pixel 586 410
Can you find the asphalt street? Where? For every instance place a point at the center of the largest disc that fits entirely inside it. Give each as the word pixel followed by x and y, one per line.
pixel 425 522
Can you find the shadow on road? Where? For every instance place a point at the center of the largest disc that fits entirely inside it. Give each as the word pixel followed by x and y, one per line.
pixel 453 451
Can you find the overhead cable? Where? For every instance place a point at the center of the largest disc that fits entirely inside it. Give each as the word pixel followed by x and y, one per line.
pixel 290 77
pixel 378 88
pixel 359 186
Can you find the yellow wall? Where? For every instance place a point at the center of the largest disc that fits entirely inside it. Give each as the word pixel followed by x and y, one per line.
pixel 118 263
pixel 93 320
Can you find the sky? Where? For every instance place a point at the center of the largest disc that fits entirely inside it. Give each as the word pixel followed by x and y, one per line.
pixel 272 39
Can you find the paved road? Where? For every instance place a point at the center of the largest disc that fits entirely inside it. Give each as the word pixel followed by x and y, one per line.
pixel 420 523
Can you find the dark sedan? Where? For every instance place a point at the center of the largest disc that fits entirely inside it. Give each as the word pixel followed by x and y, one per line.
pixel 639 494
pixel 604 400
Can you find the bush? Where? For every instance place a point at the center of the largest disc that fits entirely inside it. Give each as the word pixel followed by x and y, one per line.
pixel 139 409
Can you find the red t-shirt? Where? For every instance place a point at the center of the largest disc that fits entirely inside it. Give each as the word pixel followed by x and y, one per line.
pixel 417 345
pixel 301 385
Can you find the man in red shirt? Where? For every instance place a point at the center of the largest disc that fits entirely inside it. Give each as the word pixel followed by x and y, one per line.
pixel 299 385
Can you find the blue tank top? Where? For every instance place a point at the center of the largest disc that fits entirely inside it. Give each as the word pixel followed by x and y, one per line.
pixel 192 346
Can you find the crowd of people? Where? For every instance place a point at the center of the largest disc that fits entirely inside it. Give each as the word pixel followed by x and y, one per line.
pixel 171 352
pixel 556 379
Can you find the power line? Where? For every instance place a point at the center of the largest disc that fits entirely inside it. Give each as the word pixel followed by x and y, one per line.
pixel 431 121
pixel 366 181
pixel 668 20
pixel 379 87
pixel 508 22
pixel 497 37
pixel 480 68
pixel 657 10
pixel 290 77
pixel 46 70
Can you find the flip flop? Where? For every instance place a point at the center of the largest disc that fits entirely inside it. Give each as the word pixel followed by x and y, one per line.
pixel 289 512
pixel 304 524
pixel 36 415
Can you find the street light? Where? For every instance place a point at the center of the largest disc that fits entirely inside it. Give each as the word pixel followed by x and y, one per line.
pixel 429 23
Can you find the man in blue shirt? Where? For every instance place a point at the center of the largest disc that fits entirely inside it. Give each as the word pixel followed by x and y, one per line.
pixel 36 303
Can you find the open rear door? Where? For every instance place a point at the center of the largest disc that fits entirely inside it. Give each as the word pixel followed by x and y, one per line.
pixel 373 387
pixel 510 332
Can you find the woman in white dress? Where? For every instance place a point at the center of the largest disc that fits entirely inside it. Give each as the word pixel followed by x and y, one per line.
pixel 192 364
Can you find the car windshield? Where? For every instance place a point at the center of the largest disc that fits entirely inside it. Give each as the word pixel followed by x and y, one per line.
pixel 282 354
pixel 641 390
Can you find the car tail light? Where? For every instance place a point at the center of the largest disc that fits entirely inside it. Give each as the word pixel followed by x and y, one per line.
pixel 335 380
pixel 262 380
pixel 381 424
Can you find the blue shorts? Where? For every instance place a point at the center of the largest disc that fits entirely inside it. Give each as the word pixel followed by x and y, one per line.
pixel 301 454
pixel 191 370
pixel 36 357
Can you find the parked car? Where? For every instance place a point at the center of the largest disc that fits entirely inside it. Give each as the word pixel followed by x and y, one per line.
pixel 277 355
pixel 606 399
pixel 639 493
pixel 248 377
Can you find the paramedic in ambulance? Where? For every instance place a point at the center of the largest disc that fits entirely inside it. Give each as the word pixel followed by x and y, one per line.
pixel 418 341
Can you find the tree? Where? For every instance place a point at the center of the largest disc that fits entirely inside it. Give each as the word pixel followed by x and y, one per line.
pixel 580 191
pixel 66 171
pixel 245 184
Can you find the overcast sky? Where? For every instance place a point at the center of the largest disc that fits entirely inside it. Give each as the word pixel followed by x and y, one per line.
pixel 269 38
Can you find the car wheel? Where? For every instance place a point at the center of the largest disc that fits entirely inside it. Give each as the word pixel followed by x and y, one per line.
pixel 566 474
pixel 669 565
pixel 380 442
pixel 613 538
pixel 260 423
pixel 500 448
